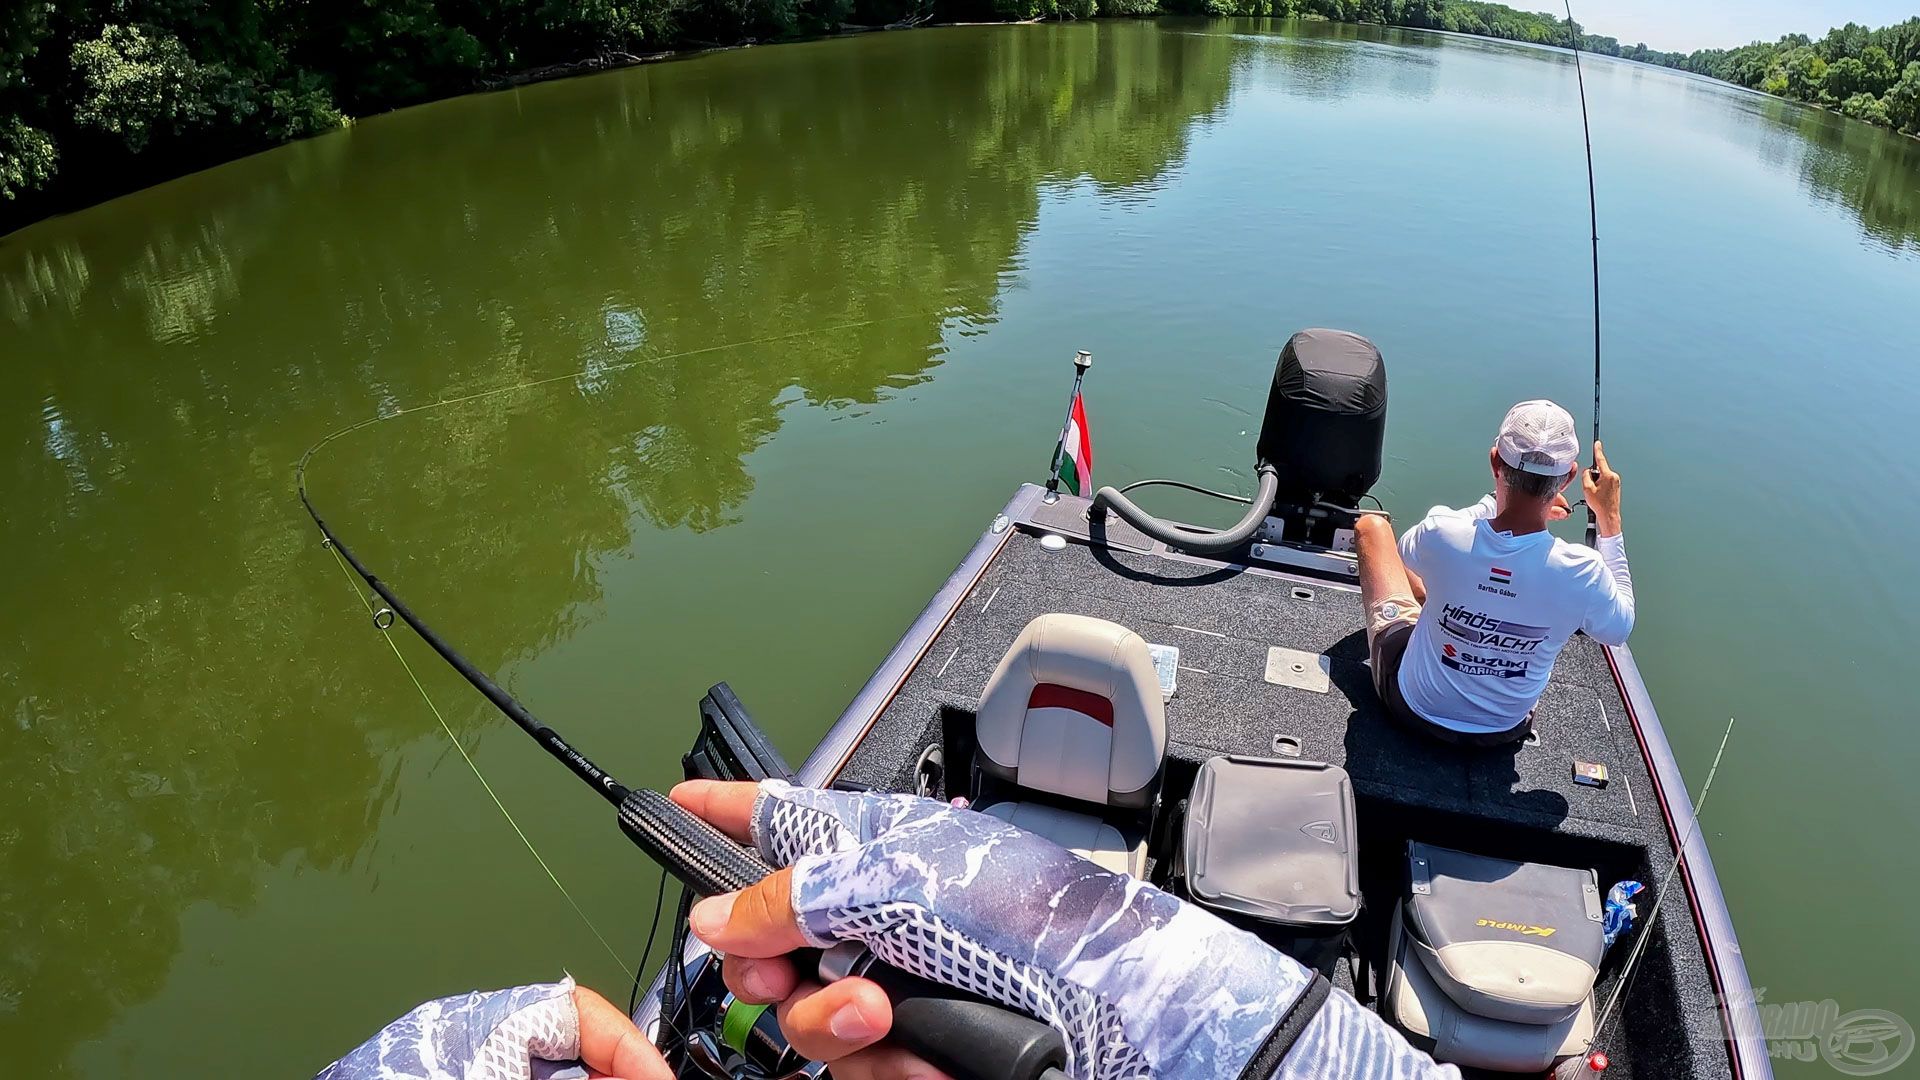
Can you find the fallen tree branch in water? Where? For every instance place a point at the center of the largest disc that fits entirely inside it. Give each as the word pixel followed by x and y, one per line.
pixel 908 23
pixel 606 61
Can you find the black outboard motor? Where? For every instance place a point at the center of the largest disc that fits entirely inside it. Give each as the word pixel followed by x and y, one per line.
pixel 1319 451
pixel 1325 425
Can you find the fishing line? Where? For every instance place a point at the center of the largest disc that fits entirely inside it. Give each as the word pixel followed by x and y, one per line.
pixel 1593 222
pixel 387 636
pixel 300 471
pixel 384 618
pixel 646 953
pixel 1631 968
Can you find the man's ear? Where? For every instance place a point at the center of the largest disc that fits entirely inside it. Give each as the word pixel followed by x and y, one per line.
pixel 1493 462
pixel 1575 471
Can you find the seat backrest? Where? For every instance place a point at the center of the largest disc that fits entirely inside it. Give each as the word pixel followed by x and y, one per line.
pixel 1074 709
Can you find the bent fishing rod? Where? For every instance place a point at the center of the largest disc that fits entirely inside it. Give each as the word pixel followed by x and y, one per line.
pixel 1593 222
pixel 968 1037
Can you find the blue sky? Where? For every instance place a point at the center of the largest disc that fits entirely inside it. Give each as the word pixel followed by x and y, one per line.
pixel 1686 25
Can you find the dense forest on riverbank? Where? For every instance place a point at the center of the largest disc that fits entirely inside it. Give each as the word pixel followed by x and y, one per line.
pixel 101 96
pixel 1871 75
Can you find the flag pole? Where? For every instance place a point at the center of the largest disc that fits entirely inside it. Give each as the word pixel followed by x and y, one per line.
pixel 1082 360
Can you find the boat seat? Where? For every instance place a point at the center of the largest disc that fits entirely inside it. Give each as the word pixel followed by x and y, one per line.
pixel 1083 834
pixel 1492 963
pixel 1072 735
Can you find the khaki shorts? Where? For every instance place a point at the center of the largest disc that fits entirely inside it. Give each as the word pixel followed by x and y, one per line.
pixel 1389 628
pixel 1388 612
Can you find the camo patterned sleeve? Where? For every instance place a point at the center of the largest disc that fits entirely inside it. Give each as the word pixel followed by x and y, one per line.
pixel 1140 983
pixel 525 1033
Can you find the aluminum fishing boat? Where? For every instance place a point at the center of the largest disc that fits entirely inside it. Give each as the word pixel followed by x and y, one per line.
pixel 1195 707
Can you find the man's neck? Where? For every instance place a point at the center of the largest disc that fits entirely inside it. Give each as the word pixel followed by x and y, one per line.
pixel 1518 517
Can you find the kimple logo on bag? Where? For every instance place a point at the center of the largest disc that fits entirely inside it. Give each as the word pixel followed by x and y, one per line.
pixel 1524 929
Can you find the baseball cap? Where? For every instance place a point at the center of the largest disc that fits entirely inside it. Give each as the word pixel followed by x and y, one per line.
pixel 1538 437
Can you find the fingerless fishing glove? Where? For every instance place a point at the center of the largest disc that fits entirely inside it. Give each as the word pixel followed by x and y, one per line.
pixel 526 1033
pixel 1141 983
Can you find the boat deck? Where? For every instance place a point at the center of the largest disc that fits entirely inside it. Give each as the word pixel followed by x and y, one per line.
pixel 1519 802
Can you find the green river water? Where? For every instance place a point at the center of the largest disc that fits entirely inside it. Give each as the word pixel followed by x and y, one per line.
pixel 824 296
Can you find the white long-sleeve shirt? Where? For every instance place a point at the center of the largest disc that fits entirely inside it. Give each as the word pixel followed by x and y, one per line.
pixel 1499 609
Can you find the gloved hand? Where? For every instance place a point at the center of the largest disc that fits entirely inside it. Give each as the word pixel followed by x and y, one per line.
pixel 548 1031
pixel 1139 982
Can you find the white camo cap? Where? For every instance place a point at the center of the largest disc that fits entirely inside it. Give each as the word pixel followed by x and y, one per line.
pixel 1539 437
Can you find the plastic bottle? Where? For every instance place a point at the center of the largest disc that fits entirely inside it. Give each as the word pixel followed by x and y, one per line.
pixel 1621 912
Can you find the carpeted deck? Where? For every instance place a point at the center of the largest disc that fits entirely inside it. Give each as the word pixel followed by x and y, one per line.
pixel 1224 618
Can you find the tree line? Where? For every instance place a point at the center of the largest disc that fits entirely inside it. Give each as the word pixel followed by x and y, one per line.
pixel 1871 75
pixel 101 96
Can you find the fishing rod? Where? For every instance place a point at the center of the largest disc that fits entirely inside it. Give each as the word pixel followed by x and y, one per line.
pixel 1593 1060
pixel 968 1037
pixel 1593 222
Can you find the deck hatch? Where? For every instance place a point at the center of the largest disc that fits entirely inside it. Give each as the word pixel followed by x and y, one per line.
pixel 1298 669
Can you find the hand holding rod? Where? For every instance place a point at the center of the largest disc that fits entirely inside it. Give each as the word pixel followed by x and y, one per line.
pixel 965 1036
pixel 968 1037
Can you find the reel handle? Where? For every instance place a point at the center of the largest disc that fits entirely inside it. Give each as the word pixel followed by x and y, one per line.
pixel 964 1035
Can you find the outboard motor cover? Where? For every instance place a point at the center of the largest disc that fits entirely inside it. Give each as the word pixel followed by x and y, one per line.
pixel 1326 417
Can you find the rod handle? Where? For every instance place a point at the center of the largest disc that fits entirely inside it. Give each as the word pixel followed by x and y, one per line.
pixel 967 1036
pixel 705 859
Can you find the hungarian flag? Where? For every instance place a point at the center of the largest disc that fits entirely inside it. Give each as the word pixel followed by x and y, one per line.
pixel 1076 450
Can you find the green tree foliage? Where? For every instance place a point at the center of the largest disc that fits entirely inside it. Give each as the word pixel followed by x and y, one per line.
pixel 1866 107
pixel 1846 77
pixel 97 96
pixel 1879 72
pixel 27 158
pixel 1850 61
pixel 1903 100
pixel 1048 9
pixel 382 53
pixel 1806 74
pixel 1843 41
pixel 138 86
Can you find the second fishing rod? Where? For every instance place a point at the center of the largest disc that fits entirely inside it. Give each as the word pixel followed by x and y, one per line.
pixel 968 1037
pixel 1593 229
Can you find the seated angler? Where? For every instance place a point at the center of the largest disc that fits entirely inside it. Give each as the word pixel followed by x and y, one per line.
pixel 1467 613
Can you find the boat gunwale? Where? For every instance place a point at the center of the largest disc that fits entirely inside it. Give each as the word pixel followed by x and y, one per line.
pixel 1726 964
pixel 836 747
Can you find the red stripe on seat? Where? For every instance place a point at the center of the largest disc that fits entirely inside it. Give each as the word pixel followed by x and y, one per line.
pixel 1048 695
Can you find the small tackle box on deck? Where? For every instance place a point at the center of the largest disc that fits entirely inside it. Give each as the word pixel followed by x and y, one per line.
pixel 1269 844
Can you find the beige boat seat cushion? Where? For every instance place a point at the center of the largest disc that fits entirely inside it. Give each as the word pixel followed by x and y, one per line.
pixel 1083 834
pixel 1074 710
pixel 1073 714
pixel 1416 1004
